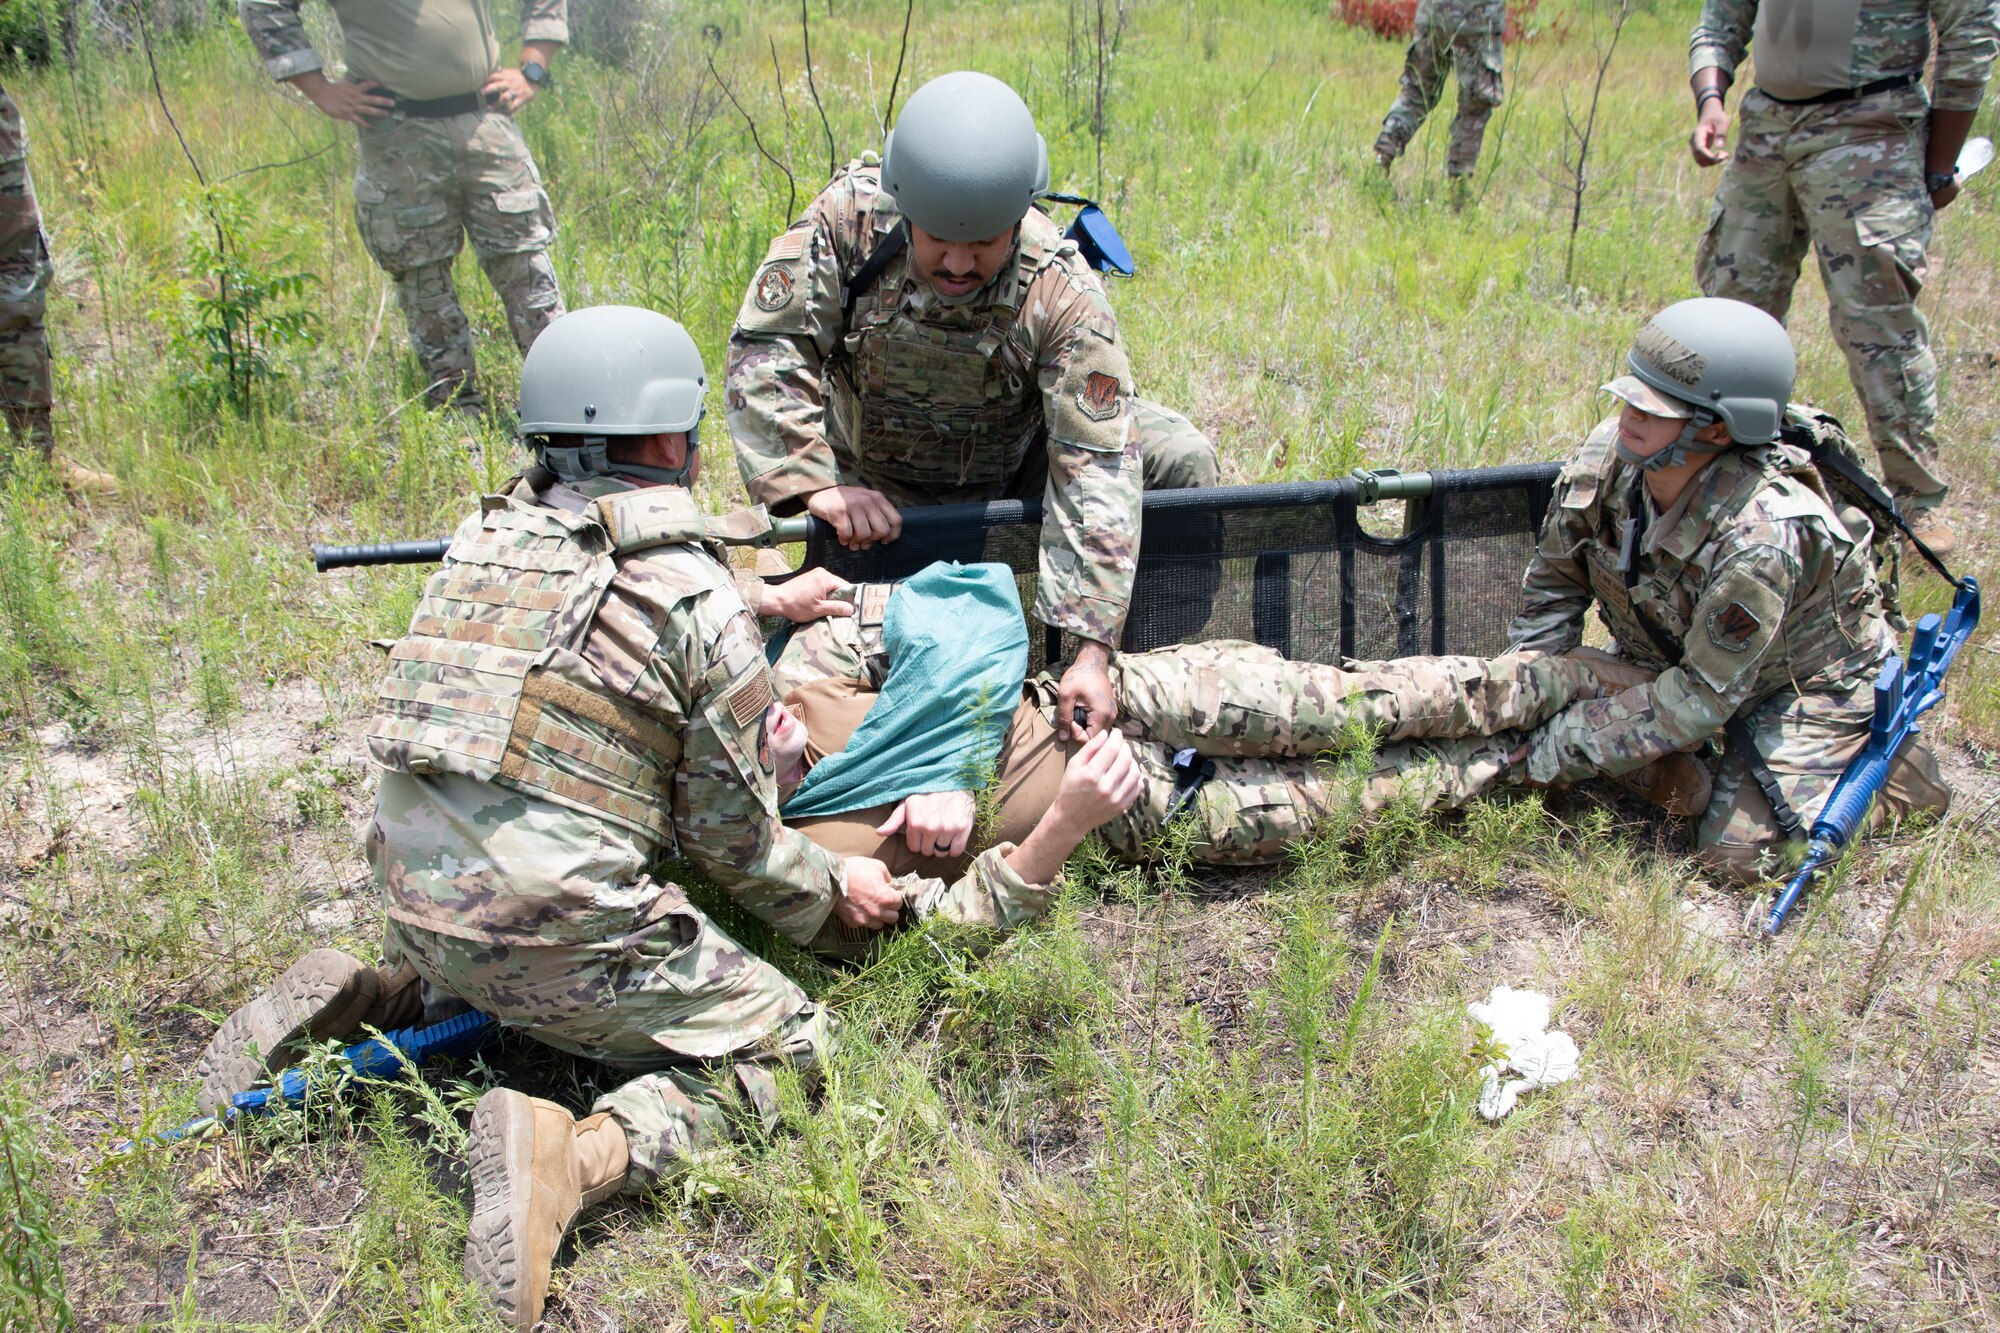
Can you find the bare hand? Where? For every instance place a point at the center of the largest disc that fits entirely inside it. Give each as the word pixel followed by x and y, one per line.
pixel 1100 782
pixel 860 517
pixel 507 90
pixel 935 823
pixel 1710 141
pixel 1943 198
pixel 1086 685
pixel 356 103
pixel 1521 779
pixel 871 899
pixel 806 596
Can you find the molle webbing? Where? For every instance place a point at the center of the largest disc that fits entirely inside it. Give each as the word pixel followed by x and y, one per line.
pixel 488 682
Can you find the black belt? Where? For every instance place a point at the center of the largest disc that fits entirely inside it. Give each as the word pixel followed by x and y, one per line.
pixel 1848 94
pixel 439 108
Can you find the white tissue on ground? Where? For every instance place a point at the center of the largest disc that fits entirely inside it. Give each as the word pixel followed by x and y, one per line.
pixel 1532 1057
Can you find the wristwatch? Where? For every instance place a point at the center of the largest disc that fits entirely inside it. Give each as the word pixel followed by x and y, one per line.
pixel 536 73
pixel 1936 182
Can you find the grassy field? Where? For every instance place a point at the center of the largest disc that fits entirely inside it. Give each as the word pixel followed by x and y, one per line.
pixel 1189 1100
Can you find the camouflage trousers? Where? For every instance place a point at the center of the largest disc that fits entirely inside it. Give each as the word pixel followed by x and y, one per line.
pixel 1301 748
pixel 1806 740
pixel 700 1021
pixel 1473 53
pixel 25 272
pixel 1847 181
pixel 421 187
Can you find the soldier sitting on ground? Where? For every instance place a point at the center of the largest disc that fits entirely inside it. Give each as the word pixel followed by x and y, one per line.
pixel 1713 552
pixel 926 336
pixel 900 714
pixel 582 696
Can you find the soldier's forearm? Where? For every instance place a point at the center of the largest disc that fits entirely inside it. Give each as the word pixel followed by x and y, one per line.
pixel 1948 130
pixel 542 53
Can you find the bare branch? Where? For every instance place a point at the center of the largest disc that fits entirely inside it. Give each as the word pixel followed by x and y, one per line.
pixel 909 8
pixel 832 153
pixel 791 199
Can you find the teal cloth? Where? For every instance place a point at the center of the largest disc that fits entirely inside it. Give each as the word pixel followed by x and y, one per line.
pixel 958 652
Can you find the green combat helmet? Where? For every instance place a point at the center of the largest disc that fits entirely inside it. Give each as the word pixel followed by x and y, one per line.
pixel 1708 360
pixel 964 161
pixel 610 370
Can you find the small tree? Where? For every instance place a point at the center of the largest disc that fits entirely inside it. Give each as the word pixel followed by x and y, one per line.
pixel 230 312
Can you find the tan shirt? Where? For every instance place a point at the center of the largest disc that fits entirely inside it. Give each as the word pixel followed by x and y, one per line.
pixel 417 49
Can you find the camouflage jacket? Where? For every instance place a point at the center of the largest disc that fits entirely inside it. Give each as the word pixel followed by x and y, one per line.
pixel 418 48
pixel 1462 15
pixel 935 402
pixel 13 130
pixel 1750 576
pixel 527 809
pixel 1811 46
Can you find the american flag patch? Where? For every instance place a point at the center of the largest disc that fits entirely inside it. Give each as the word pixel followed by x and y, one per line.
pixel 747 702
pixel 788 245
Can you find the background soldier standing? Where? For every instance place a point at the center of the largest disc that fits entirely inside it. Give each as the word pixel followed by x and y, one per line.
pixel 440 158
pixel 1713 555
pixel 1841 151
pixel 1464 36
pixel 924 336
pixel 24 296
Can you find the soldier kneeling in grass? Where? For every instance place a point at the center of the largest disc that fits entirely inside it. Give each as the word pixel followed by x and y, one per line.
pixel 583 696
pixel 1738 588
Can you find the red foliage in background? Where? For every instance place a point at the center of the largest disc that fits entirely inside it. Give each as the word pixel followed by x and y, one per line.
pixel 1398 18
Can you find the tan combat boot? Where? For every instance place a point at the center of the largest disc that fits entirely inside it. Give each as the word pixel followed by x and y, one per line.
pixel 1679 784
pixel 324 995
pixel 534 1167
pixel 1930 528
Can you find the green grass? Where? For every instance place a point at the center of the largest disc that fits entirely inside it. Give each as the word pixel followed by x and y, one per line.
pixel 1188 1099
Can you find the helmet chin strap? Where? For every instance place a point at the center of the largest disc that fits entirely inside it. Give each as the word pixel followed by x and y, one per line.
pixel 1680 450
pixel 590 459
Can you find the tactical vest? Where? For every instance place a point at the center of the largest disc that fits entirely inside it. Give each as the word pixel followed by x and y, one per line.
pixel 1652 610
pixel 489 683
pixel 947 401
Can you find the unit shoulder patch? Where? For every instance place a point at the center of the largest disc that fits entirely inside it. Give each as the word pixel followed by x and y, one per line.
pixel 1098 398
pixel 1733 627
pixel 774 289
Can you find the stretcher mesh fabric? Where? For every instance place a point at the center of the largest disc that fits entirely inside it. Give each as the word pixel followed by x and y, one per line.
pixel 1301 567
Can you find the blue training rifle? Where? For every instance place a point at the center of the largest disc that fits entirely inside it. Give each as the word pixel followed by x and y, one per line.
pixel 1903 693
pixel 383 1057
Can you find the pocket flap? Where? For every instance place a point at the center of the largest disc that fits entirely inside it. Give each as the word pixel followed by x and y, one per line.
pixel 527 199
pixel 1890 219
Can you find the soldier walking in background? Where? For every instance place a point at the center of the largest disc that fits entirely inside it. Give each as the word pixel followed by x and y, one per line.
pixel 1463 36
pixel 926 336
pixel 440 158
pixel 1841 151
pixel 24 296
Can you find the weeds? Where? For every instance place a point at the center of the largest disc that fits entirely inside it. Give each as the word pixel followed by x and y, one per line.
pixel 32 1295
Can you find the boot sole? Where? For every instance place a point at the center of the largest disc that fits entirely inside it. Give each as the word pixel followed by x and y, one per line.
pixel 501 1153
pixel 322 995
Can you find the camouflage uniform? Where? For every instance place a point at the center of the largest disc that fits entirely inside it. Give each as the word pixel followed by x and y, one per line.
pixel 1021 390
pixel 1847 179
pixel 424 183
pixel 24 287
pixel 580 699
pixel 1434 731
pixel 1464 35
pixel 1770 605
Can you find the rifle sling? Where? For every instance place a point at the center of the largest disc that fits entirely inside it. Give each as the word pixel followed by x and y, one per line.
pixel 1844 468
pixel 871 269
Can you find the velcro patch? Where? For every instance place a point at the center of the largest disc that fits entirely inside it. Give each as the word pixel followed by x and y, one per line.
pixel 1732 628
pixel 748 701
pixel 1098 398
pixel 774 289
pixel 789 245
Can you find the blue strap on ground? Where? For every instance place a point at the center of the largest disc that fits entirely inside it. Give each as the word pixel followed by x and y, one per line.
pixel 958 652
